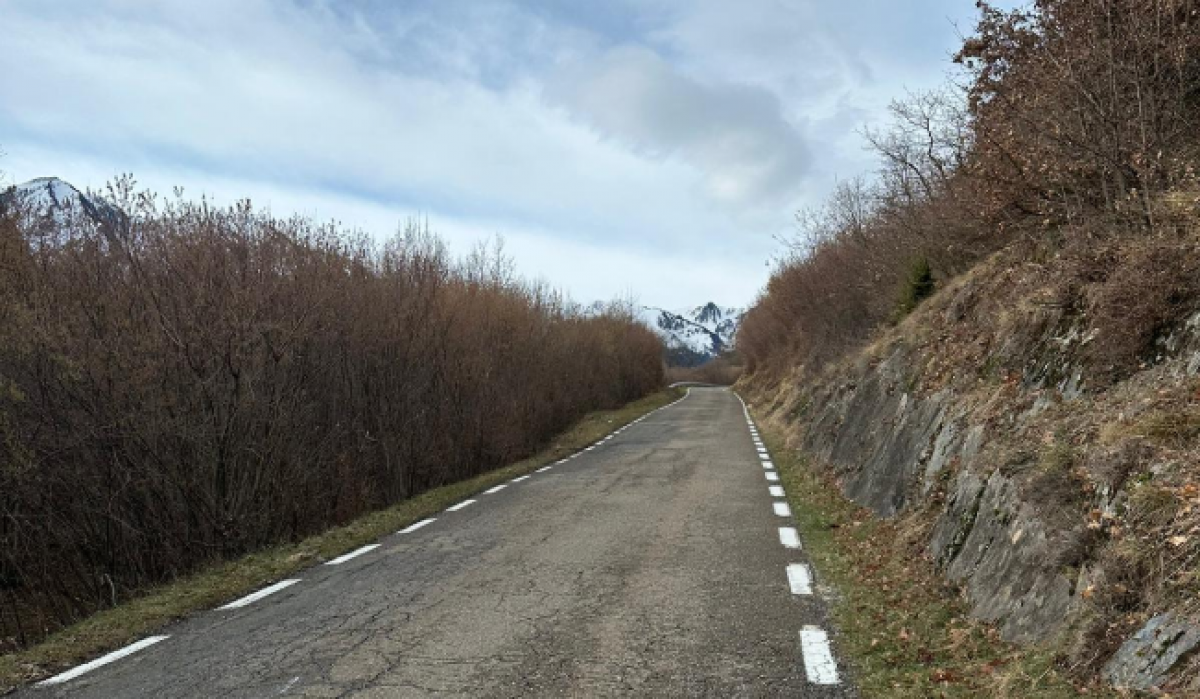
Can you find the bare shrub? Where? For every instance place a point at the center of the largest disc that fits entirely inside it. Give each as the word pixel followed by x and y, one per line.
pixel 199 382
pixel 722 371
pixel 1076 123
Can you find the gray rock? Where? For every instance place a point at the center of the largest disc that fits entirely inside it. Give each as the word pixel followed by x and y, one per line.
pixel 943 450
pixel 957 520
pixel 1146 659
pixel 994 544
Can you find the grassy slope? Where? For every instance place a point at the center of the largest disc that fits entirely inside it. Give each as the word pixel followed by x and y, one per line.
pixel 904 632
pixel 210 588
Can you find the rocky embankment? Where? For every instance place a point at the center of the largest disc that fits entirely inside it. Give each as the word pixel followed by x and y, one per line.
pixel 1056 489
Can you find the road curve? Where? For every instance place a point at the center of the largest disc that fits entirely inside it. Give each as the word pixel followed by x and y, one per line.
pixel 651 565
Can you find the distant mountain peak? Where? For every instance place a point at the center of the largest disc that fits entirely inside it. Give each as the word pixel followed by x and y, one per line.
pixel 58 202
pixel 708 313
pixel 694 336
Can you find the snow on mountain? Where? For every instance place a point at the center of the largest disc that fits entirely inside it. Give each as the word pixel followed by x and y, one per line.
pixel 56 204
pixel 696 335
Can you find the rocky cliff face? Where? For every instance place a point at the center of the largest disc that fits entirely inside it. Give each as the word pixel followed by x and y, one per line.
pixel 1029 469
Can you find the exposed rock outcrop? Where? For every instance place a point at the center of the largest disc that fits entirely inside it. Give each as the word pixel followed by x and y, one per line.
pixel 1021 472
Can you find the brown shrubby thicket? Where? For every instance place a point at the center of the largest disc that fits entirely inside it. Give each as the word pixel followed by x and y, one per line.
pixel 1077 123
pixel 725 370
pixel 200 382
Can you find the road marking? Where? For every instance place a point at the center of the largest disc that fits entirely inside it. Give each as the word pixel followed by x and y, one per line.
pixel 789 538
pixel 497 489
pixel 767 463
pixel 543 469
pixel 417 525
pixel 590 448
pixel 459 506
pixel 772 476
pixel 256 596
pixel 781 509
pixel 518 480
pixel 103 660
pixel 776 490
pixel 799 579
pixel 818 658
pixel 353 554
pixel 287 687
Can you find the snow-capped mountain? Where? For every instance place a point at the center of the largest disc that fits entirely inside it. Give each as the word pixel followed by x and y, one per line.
pixel 694 336
pixel 56 204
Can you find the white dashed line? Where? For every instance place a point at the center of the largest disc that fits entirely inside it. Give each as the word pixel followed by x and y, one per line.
pixel 497 489
pixel 423 523
pixel 776 490
pixel 103 660
pixel 789 538
pixel 818 658
pixel 799 579
pixel 781 509
pixel 353 554
pixel 768 465
pixel 543 469
pixel 459 506
pixel 772 476
pixel 518 480
pixel 256 596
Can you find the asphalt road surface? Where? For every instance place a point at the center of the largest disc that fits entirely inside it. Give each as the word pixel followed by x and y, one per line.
pixel 652 565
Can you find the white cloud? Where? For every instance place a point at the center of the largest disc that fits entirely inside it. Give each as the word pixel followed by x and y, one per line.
pixel 645 145
pixel 734 133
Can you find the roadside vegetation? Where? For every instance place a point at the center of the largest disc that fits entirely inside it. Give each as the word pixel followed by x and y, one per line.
pixel 1071 131
pixel 904 631
pixel 219 584
pixel 191 384
pixel 724 370
pixel 1029 250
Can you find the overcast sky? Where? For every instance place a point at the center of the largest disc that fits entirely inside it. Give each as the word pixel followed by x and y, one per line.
pixel 644 147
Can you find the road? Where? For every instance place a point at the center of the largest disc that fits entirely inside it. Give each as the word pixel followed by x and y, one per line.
pixel 651 565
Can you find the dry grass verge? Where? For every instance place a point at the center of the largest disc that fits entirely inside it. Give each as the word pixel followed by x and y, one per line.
pixel 903 631
pixel 120 625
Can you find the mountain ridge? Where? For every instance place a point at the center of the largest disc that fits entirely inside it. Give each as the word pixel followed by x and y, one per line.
pixel 696 335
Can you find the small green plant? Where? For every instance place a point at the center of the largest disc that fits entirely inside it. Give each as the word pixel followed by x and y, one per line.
pixel 918 286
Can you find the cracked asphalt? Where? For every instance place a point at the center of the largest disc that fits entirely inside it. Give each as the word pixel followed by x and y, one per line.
pixel 650 566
